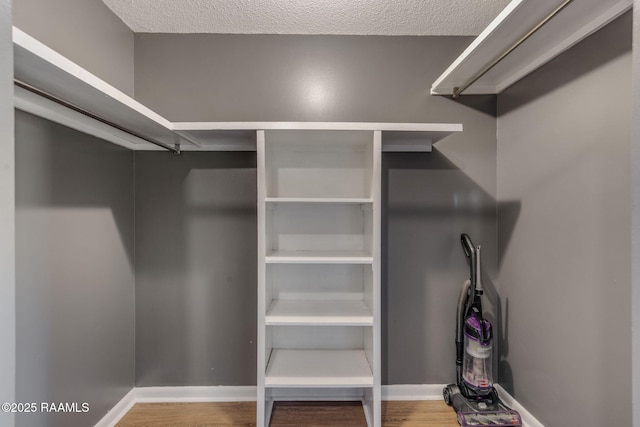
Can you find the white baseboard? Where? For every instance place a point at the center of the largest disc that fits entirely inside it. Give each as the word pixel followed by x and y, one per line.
pixel 118 411
pixel 528 420
pixel 197 394
pixel 412 392
pixel 249 394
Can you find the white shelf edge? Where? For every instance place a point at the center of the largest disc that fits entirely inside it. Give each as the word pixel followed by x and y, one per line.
pixel 365 126
pixel 331 368
pixel 317 260
pixel 399 137
pixel 439 87
pixel 316 257
pixel 328 200
pixel 318 313
pixel 476 44
pixel 35 47
pixel 317 322
pixel 33 104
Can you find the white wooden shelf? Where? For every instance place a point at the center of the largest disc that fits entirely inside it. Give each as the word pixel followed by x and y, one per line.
pixel 576 21
pixel 412 137
pixel 46 70
pixel 49 72
pixel 318 368
pixel 331 126
pixel 328 200
pixel 318 313
pixel 318 257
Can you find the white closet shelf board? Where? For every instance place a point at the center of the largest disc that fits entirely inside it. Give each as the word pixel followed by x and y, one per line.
pixel 318 368
pixel 46 70
pixel 29 102
pixel 318 313
pixel 576 21
pixel 396 136
pixel 337 200
pixel 318 257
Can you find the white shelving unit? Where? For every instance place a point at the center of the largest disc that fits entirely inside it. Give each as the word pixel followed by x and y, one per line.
pixel 576 21
pixel 319 266
pixel 47 71
pixel 319 202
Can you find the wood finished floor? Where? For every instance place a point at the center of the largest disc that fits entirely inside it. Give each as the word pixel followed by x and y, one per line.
pixel 287 414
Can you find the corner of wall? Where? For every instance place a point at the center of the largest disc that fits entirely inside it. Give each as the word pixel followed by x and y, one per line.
pixel 635 218
pixel 7 216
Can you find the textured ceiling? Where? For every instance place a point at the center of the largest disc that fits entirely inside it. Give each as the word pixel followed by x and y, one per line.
pixel 367 17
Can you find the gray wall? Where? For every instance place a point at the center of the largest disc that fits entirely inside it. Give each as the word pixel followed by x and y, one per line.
pixel 564 233
pixel 7 217
pixel 86 32
pixel 635 220
pixel 186 269
pixel 196 244
pixel 75 277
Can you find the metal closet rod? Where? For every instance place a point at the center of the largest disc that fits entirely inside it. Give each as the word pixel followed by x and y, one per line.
pixel 23 85
pixel 457 91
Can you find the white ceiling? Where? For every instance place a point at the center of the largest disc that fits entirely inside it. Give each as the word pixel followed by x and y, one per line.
pixel 366 17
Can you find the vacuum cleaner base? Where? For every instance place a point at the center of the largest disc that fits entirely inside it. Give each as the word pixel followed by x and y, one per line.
pixel 489 411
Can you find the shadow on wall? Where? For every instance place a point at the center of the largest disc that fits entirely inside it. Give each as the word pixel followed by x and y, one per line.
pixel 476 102
pixel 58 167
pixel 556 74
pixel 74 271
pixel 196 268
pixel 427 203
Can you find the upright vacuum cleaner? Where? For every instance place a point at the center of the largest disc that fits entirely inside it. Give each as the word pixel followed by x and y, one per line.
pixel 473 397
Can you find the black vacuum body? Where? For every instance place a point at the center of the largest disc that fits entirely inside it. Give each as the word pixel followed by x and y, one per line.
pixel 473 396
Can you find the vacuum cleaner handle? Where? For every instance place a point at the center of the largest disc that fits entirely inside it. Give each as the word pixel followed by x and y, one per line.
pixel 472 258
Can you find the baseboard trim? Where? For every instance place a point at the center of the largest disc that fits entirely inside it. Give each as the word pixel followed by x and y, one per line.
pixel 196 394
pixel 412 392
pixel 528 420
pixel 118 411
pixel 393 392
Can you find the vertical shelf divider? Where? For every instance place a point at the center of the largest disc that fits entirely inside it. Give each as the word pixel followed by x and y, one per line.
pixel 376 193
pixel 263 404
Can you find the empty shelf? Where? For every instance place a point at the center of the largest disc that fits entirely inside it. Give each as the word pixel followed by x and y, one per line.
pixel 318 368
pixel 319 312
pixel 345 200
pixel 318 257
